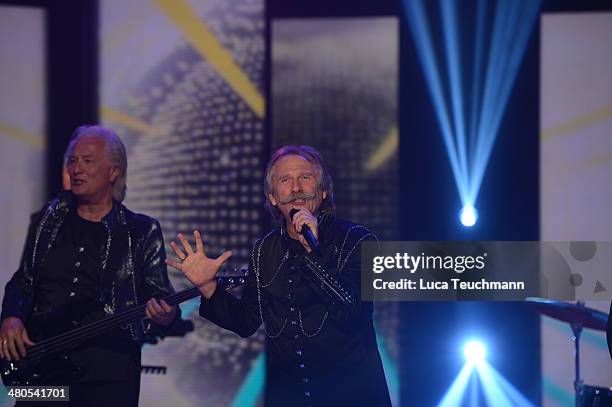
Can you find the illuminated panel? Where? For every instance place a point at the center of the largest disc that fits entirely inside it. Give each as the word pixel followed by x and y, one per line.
pixel 575 168
pixel 22 130
pixel 334 86
pixel 22 121
pixel 181 82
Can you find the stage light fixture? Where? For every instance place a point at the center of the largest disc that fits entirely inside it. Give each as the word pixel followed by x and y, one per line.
pixel 468 216
pixel 474 352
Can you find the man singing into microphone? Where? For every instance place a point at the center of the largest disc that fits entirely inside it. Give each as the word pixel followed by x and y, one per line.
pixel 320 340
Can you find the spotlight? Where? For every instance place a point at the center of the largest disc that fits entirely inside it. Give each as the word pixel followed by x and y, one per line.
pixel 468 216
pixel 470 107
pixel 474 352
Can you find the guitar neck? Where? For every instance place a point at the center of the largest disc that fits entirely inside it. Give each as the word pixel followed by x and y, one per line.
pixel 91 330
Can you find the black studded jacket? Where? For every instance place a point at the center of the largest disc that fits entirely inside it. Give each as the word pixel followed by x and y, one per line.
pixel 133 266
pixel 320 340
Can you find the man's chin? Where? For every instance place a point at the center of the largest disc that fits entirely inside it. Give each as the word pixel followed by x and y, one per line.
pixel 81 195
pixel 77 192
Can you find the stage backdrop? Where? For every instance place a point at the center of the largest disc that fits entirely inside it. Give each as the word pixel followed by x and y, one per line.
pixel 182 83
pixel 576 168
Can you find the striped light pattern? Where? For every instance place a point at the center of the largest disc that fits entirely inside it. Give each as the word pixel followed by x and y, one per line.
pixel 470 105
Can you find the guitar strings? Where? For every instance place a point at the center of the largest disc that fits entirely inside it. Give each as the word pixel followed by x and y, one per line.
pixel 88 331
pixel 175 298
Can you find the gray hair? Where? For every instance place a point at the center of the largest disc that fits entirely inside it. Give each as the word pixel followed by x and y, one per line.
pixel 324 179
pixel 115 150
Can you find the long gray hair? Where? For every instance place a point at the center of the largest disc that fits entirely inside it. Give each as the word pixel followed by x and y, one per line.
pixel 324 179
pixel 115 150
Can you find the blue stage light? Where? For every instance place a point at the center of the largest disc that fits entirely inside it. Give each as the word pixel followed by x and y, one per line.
pixel 468 216
pixel 477 374
pixel 470 106
pixel 474 352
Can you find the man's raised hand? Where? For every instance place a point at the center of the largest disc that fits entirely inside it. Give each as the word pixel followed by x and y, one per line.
pixel 199 269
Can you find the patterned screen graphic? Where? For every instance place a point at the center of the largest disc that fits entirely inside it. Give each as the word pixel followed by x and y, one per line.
pixel 335 87
pixel 181 82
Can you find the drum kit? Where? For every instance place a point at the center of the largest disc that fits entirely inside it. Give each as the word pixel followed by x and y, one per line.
pixel 578 316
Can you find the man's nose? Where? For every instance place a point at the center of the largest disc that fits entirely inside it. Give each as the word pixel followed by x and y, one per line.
pixel 296 186
pixel 76 167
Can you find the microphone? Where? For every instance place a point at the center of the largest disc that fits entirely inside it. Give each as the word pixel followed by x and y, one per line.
pixel 307 234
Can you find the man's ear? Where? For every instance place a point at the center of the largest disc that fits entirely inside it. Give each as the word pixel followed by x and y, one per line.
pixel 114 174
pixel 272 199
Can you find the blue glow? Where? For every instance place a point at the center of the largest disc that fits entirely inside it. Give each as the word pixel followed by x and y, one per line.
pixel 474 352
pixel 419 26
pixel 555 393
pixel 468 216
pixel 473 391
pixel 253 385
pixel 496 389
pixel 477 73
pixel 453 57
pixel 515 396
pixel 455 393
pixel 190 307
pixel 390 369
pixel 510 45
pixel 494 395
pixel 469 149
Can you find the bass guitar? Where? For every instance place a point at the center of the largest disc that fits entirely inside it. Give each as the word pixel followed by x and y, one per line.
pixel 49 358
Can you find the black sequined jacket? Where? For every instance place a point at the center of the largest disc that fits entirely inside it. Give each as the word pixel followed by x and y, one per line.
pixel 133 263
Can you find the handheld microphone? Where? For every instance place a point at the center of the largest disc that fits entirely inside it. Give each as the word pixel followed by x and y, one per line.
pixel 307 234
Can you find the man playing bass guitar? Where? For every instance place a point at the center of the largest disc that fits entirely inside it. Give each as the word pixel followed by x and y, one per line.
pixel 88 257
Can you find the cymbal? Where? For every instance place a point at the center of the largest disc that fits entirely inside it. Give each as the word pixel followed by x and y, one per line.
pixel 570 312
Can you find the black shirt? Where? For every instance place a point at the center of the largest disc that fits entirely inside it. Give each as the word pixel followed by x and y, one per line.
pixel 71 278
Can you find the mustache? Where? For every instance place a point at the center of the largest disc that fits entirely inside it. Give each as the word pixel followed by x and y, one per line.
pixel 300 195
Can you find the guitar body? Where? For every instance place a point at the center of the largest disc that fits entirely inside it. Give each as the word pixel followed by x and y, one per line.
pixel 51 370
pixel 50 367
